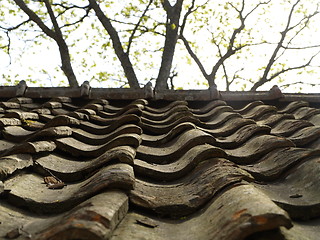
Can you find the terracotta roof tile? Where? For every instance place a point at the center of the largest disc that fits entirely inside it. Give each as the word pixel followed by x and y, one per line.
pixel 118 164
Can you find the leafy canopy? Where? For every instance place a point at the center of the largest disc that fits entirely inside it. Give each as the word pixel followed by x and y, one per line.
pixel 234 44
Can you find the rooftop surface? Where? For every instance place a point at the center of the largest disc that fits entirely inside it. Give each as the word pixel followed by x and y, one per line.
pixel 119 164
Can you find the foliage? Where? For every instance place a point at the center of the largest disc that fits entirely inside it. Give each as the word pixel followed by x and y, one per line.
pixel 234 44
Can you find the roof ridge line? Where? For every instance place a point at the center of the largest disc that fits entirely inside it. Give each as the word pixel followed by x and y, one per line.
pixel 148 92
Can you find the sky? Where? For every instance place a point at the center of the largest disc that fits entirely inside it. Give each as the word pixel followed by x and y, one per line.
pixel 40 63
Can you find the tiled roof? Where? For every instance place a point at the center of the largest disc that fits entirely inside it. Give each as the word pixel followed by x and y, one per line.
pixel 83 168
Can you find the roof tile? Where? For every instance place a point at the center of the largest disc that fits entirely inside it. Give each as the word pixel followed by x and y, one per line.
pixel 28 190
pixel 144 168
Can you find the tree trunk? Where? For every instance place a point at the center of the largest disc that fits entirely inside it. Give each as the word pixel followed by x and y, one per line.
pixel 173 16
pixel 66 64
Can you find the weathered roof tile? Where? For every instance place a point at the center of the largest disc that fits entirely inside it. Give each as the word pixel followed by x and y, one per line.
pixel 69 169
pixel 10 122
pixel 181 167
pixel 10 105
pixel 235 214
pixel 289 126
pixel 298 192
pixel 240 167
pixel 12 163
pixel 276 162
pixel 28 190
pixel 21 100
pixel 78 148
pixel 96 218
pixel 22 115
pixel 175 148
pixel 183 196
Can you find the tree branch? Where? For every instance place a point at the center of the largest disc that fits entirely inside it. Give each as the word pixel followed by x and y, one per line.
pixel 226 77
pixel 56 35
pixel 8 46
pixel 34 17
pixel 191 9
pixel 307 20
pixel 293 68
pixel 299 82
pixel 80 20
pixel 280 45
pixel 63 49
pixel 122 56
pixel 231 48
pixel 236 76
pixel 304 47
pixel 7 31
pixel 15 27
pixel 137 25
pixel 194 57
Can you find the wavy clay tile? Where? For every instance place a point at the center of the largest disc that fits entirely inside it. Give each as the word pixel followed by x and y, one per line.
pixel 235 214
pixel 180 167
pixel 182 197
pixel 239 167
pixel 298 192
pixel 29 190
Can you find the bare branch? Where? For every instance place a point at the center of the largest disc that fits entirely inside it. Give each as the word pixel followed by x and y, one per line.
pixel 253 9
pixel 172 75
pixel 194 57
pixel 304 47
pixel 63 48
pixel 272 59
pixel 55 34
pixel 7 32
pixel 70 7
pixel 67 7
pixel 34 17
pixel 293 68
pixel 235 76
pixel 122 56
pixel 288 28
pixel 190 10
pixel 8 46
pixel 231 50
pixel 53 19
pixel 307 20
pixel 280 45
pixel 146 30
pixel 296 83
pixel 88 9
pixel 122 22
pixel 17 26
pixel 226 76
pixel 137 26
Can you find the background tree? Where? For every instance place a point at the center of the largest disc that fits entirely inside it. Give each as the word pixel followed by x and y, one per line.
pixel 233 44
pixel 50 13
pixel 240 40
pixel 285 43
